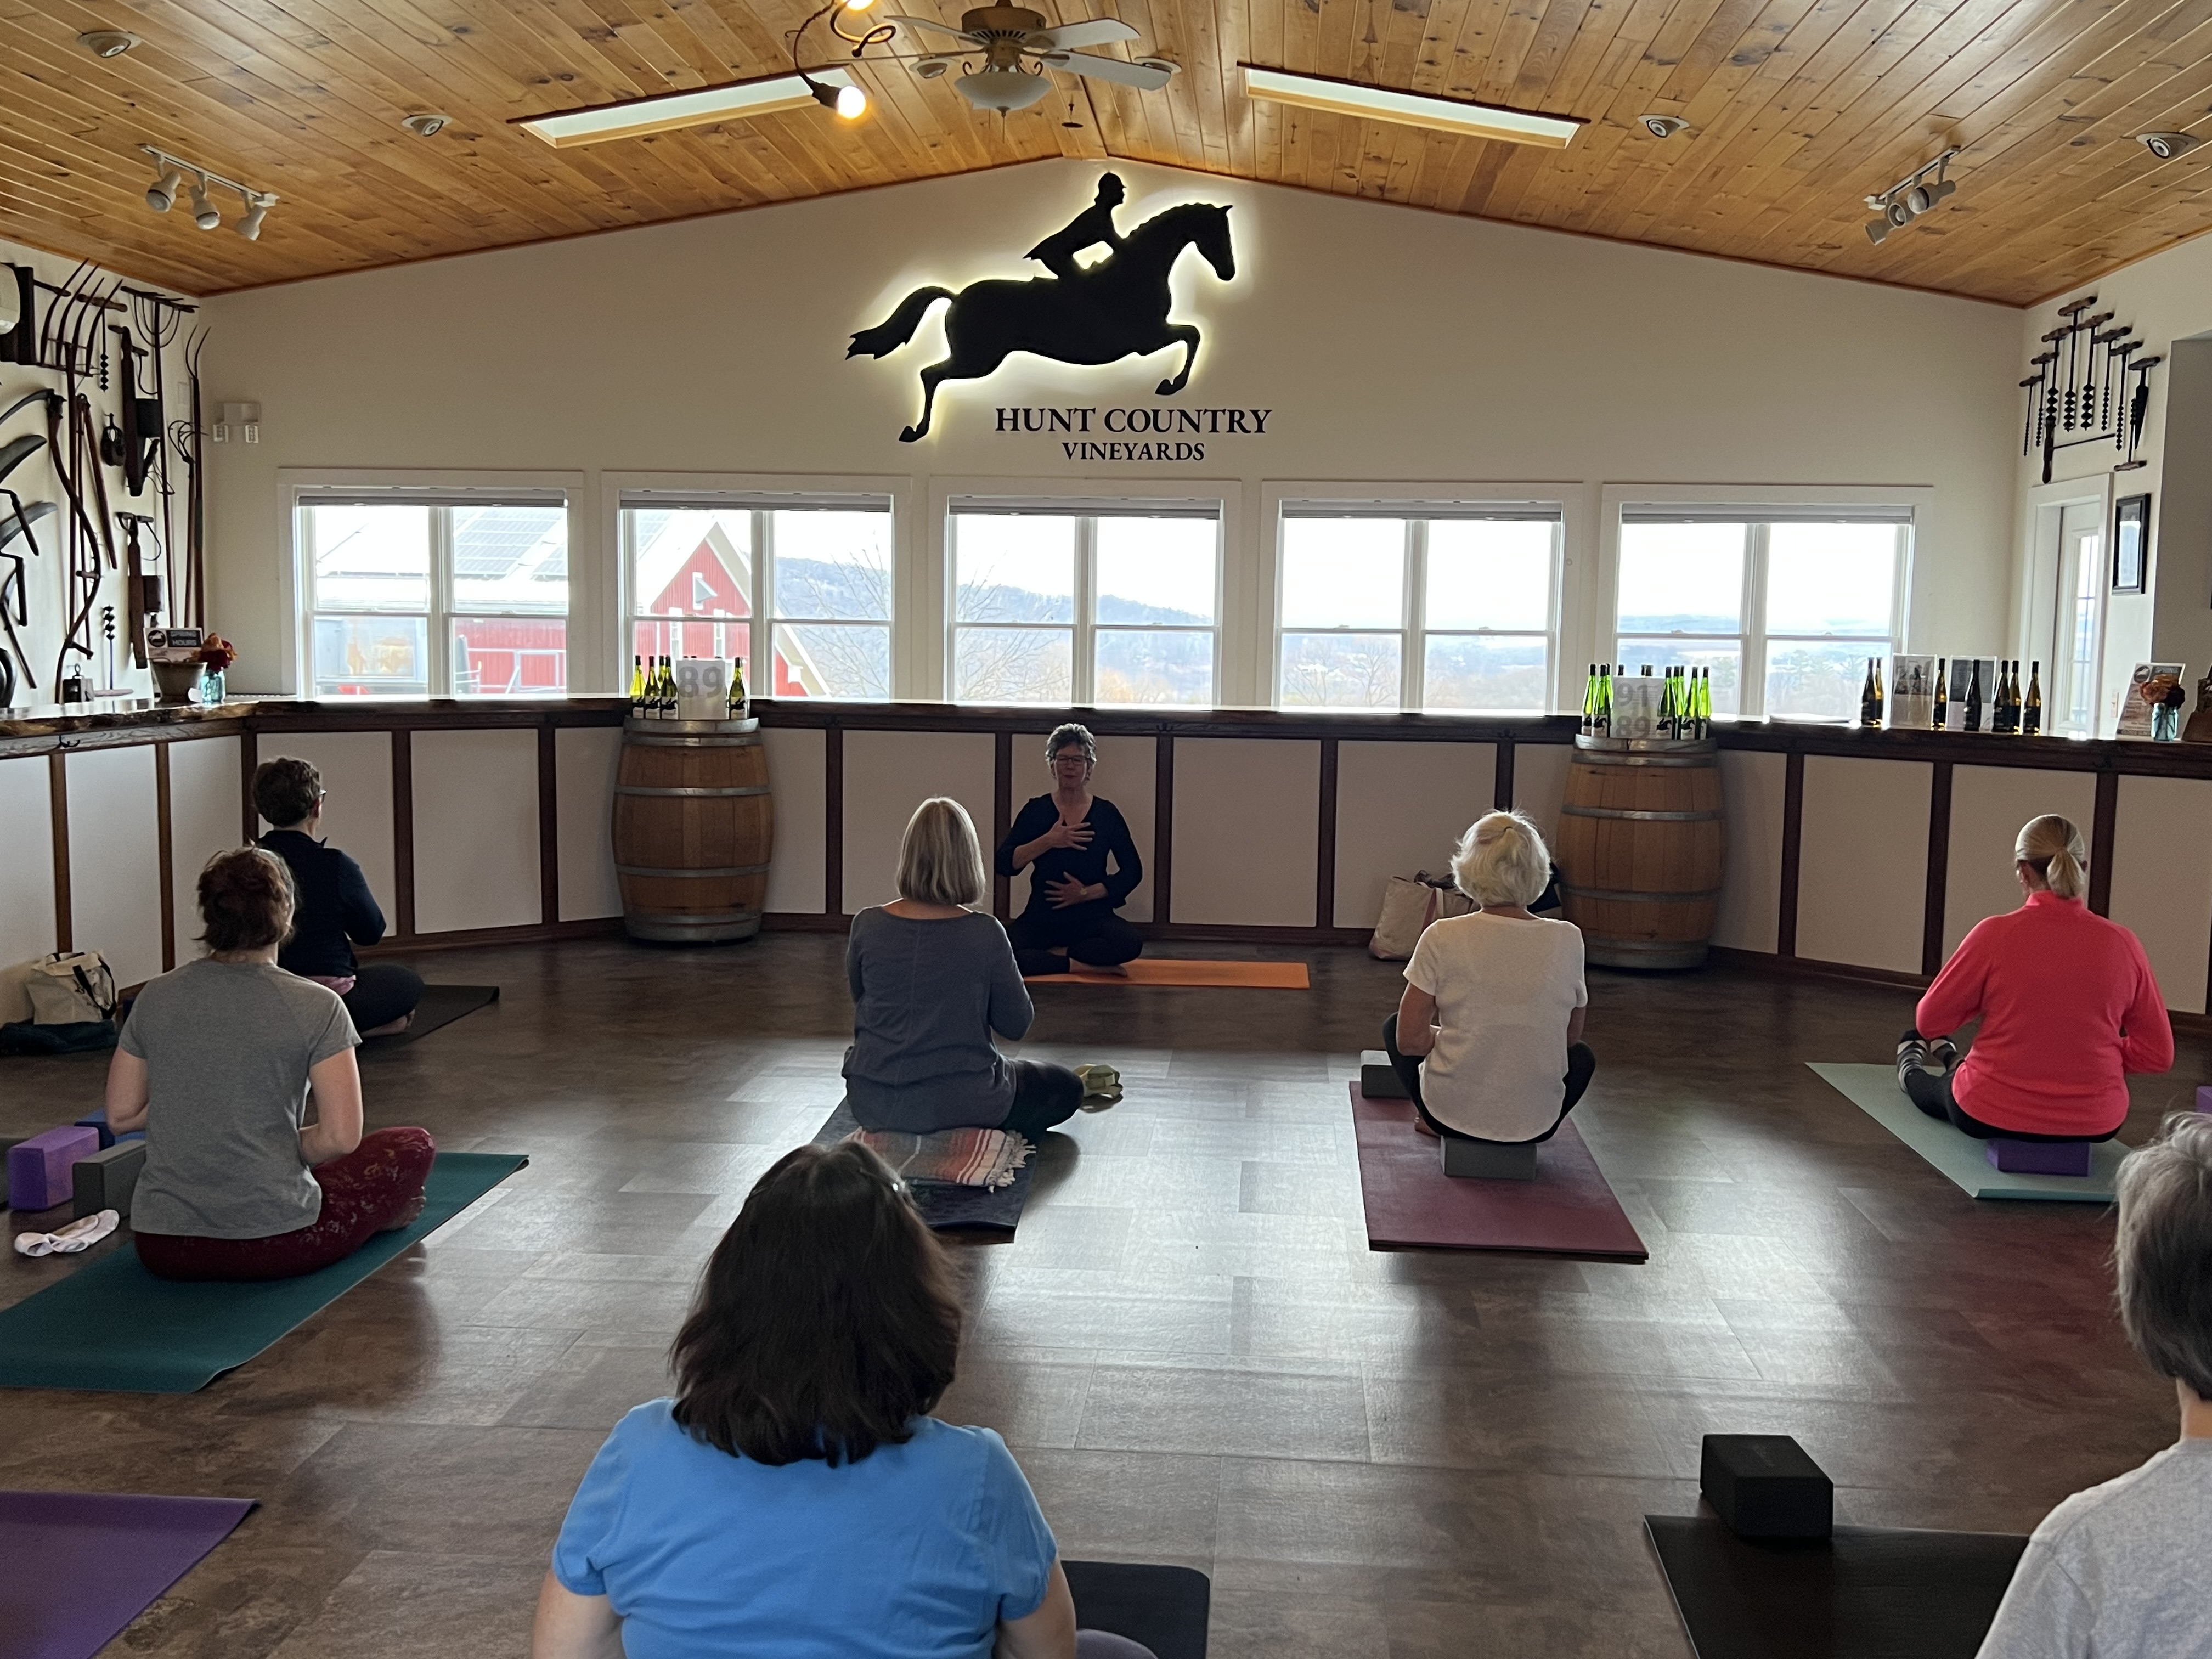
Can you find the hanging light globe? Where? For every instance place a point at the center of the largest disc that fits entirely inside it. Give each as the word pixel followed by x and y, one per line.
pixel 1005 90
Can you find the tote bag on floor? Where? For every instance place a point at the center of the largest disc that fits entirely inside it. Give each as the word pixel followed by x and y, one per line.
pixel 71 988
pixel 1410 903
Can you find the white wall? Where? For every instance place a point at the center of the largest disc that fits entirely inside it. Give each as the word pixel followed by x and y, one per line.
pixel 1389 343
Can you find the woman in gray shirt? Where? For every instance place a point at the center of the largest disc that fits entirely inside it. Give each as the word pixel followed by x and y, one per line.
pixel 214 1063
pixel 931 979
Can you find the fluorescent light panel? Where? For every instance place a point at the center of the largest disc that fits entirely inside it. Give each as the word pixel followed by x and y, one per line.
pixel 1413 109
pixel 665 111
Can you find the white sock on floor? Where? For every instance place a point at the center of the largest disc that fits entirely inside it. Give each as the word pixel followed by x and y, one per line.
pixel 80 1234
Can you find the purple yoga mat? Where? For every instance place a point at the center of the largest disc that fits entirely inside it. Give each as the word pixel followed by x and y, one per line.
pixel 1412 1204
pixel 82 1564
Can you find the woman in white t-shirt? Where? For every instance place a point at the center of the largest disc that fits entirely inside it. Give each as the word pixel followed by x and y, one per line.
pixel 1494 1000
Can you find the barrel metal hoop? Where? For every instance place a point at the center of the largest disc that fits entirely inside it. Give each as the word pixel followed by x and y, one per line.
pixel 654 873
pixel 1599 896
pixel 691 919
pixel 640 789
pixel 1706 761
pixel 1639 816
pixel 633 740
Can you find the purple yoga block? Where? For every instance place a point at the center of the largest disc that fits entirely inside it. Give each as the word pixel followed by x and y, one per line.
pixel 39 1169
pixel 2058 1157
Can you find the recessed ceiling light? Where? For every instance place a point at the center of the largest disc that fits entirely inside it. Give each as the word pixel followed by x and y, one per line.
pixel 1663 126
pixel 426 126
pixel 106 43
pixel 2167 145
pixel 1414 109
pixel 665 111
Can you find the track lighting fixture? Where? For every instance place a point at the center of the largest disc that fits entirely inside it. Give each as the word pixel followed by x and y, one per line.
pixel 2167 145
pixel 175 170
pixel 849 100
pixel 1663 126
pixel 426 126
pixel 106 43
pixel 1920 192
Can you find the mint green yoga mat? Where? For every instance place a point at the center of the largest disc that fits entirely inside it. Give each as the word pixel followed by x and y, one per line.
pixel 113 1325
pixel 1961 1159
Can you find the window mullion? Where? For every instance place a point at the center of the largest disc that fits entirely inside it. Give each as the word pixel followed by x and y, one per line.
pixel 1750 692
pixel 440 630
pixel 762 633
pixel 1413 662
pixel 1083 667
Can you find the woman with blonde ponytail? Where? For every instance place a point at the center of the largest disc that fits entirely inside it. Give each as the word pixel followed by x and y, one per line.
pixel 2067 1005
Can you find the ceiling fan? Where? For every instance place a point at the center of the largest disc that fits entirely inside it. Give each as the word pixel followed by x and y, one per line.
pixel 1008 35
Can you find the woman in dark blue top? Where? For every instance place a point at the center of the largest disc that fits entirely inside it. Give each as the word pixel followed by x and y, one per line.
pixel 1068 835
pixel 333 910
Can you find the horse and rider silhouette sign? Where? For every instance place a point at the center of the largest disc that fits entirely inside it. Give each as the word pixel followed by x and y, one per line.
pixel 1114 308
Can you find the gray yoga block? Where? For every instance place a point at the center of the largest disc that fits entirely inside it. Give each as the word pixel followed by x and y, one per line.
pixel 1378 1077
pixel 1488 1160
pixel 1765 1485
pixel 104 1180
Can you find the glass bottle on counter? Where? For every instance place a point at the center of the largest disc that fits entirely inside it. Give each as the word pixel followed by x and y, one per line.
pixel 735 709
pixel 636 684
pixel 2002 709
pixel 1670 708
pixel 1974 696
pixel 2016 716
pixel 1870 698
pixel 1942 693
pixel 2031 713
pixel 1589 702
pixel 664 692
pixel 1703 706
pixel 1604 699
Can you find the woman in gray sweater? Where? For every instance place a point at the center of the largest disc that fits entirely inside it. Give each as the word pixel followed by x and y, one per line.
pixel 931 979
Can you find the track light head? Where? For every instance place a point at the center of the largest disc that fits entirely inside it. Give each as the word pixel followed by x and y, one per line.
pixel 1877 230
pixel 163 195
pixel 204 211
pixel 929 69
pixel 2167 145
pixel 429 124
pixel 257 210
pixel 1663 126
pixel 106 43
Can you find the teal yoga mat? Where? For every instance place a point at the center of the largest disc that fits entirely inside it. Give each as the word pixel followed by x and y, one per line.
pixel 113 1325
pixel 1961 1159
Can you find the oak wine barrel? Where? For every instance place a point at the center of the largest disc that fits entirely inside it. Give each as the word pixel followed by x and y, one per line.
pixel 693 827
pixel 1640 847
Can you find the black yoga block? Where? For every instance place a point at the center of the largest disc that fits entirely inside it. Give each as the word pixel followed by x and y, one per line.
pixel 106 1180
pixel 1764 1485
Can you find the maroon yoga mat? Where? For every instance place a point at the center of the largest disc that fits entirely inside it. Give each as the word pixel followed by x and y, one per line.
pixel 1412 1204
pixel 82 1565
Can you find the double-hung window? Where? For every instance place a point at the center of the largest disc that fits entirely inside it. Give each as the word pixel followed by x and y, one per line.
pixel 1061 601
pixel 802 580
pixel 1782 604
pixel 460 593
pixel 1417 605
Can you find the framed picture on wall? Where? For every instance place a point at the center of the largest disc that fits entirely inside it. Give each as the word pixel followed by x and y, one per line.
pixel 2131 542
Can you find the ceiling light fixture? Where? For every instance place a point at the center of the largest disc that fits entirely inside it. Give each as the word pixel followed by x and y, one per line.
pixel 1919 192
pixel 426 126
pixel 667 112
pixel 2167 145
pixel 106 43
pixel 1663 126
pixel 1414 109
pixel 175 169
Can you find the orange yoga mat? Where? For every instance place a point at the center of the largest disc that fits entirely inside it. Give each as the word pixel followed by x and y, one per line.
pixel 1183 971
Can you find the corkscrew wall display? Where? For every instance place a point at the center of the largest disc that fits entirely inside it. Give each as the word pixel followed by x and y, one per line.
pixel 2088 385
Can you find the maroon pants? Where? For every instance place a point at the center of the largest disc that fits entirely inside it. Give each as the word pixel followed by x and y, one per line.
pixel 375 1187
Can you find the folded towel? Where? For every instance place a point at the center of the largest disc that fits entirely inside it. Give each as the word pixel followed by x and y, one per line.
pixel 959 1158
pixel 1102 1086
pixel 80 1234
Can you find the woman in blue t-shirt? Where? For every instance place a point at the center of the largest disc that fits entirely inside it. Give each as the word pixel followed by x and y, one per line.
pixel 795 1498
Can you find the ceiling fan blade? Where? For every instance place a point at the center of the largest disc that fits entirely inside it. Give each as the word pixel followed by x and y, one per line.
pixel 1099 31
pixel 915 24
pixel 1145 77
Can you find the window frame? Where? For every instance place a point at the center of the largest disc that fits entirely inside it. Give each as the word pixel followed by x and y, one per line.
pixel 1758 508
pixel 1564 504
pixel 300 488
pixel 1071 497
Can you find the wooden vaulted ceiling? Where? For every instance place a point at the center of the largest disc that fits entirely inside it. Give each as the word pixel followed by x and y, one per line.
pixel 1797 109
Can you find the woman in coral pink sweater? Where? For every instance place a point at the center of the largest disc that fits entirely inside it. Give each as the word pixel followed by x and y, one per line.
pixel 2068 1004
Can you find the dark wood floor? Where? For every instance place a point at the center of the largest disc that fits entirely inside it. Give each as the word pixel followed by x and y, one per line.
pixel 1189 1346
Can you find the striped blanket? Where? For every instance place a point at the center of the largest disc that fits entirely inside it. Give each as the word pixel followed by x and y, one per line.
pixel 960 1157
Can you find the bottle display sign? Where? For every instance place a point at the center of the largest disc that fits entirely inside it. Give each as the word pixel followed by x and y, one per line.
pixel 703 689
pixel 1911 693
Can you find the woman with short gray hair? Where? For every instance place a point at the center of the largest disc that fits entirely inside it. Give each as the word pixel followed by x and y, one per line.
pixel 2124 1568
pixel 1494 1000
pixel 932 978
pixel 1068 837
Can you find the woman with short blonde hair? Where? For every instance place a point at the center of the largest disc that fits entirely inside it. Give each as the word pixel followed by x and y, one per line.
pixel 1082 865
pixel 932 978
pixel 1487 1037
pixel 2068 1006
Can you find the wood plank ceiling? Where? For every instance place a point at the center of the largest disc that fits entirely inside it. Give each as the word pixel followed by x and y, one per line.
pixel 1797 109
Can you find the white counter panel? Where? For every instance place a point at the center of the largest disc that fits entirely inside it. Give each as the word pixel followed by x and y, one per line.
pixel 1988 803
pixel 204 819
pixel 475 830
pixel 1247 825
pixel 584 762
pixel 27 888
pixel 887 775
pixel 795 865
pixel 1539 784
pixel 2161 864
pixel 1128 775
pixel 115 860
pixel 1401 807
pixel 1862 862
pixel 1752 784
pixel 356 772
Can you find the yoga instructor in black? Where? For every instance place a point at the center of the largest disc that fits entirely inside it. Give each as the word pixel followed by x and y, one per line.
pixel 1068 836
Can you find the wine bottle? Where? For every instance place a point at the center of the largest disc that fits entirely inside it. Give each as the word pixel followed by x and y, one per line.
pixel 1942 692
pixel 663 702
pixel 2031 713
pixel 1667 716
pixel 1705 703
pixel 1880 696
pixel 2016 713
pixel 736 709
pixel 1604 699
pixel 1869 700
pixel 1589 702
pixel 2001 709
pixel 1974 696
pixel 636 682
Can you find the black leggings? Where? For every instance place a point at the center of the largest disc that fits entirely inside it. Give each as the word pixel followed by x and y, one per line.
pixel 382 994
pixel 1932 1095
pixel 1090 933
pixel 1044 1094
pixel 1582 1066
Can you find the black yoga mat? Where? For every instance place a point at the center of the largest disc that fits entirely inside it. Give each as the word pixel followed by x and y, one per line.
pixel 440 1006
pixel 1865 1593
pixel 1163 1607
pixel 989 1212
